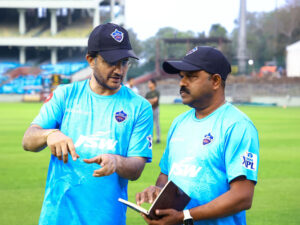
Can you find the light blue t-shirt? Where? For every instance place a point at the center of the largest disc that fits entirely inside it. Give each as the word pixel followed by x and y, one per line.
pixel 203 155
pixel 118 124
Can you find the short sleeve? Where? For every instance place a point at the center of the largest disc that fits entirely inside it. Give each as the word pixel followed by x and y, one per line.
pixel 51 113
pixel 242 151
pixel 164 161
pixel 141 137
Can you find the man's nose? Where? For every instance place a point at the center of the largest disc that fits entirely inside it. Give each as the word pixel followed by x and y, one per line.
pixel 183 81
pixel 119 68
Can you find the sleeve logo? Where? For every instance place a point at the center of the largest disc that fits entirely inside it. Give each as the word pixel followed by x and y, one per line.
pixel 49 97
pixel 249 161
pixel 149 138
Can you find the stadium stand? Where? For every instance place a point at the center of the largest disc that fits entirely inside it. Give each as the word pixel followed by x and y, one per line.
pixel 26 83
pixel 28 27
pixel 51 37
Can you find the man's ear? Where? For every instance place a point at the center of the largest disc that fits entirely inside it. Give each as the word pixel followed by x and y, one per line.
pixel 217 81
pixel 90 60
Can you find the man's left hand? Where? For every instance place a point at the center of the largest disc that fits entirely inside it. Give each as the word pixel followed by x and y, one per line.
pixel 170 217
pixel 108 162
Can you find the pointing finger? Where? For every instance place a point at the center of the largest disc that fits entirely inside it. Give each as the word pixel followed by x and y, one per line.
pixel 96 159
pixel 72 151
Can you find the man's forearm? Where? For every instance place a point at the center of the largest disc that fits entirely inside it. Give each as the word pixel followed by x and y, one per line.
pixel 130 167
pixel 161 180
pixel 238 198
pixel 35 138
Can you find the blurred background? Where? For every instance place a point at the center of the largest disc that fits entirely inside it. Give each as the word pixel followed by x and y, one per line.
pixel 43 44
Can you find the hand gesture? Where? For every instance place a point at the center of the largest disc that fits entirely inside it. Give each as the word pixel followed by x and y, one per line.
pixel 60 145
pixel 148 195
pixel 108 162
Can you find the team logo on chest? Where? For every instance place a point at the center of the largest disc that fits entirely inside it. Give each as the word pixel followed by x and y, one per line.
pixel 120 116
pixel 187 167
pixel 208 138
pixel 117 35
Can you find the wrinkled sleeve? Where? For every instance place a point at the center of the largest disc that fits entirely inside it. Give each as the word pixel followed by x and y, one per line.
pixel 141 137
pixel 164 161
pixel 51 113
pixel 242 151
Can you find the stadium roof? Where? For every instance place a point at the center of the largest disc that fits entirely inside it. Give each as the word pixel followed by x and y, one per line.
pixel 196 40
pixel 43 42
pixel 54 4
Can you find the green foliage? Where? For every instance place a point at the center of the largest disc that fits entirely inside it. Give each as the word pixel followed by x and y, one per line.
pixel 269 33
pixel 165 51
pixel 217 30
pixel 138 70
pixel 136 44
pixel 276 199
pixel 173 51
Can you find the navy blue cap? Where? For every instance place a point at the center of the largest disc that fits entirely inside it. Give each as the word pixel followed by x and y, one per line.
pixel 111 41
pixel 204 58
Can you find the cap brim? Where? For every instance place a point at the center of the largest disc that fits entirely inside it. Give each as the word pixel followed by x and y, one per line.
pixel 116 55
pixel 173 67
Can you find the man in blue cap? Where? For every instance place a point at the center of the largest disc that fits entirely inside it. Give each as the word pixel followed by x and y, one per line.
pixel 212 150
pixel 106 130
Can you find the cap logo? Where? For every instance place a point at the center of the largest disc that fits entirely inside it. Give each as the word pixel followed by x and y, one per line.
pixel 117 35
pixel 191 51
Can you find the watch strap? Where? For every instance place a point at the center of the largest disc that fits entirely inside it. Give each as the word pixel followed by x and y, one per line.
pixel 187 215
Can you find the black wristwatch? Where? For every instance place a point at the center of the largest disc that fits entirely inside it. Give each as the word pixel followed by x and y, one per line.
pixel 187 218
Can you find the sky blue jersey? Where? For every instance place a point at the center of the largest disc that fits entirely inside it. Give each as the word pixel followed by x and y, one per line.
pixel 204 155
pixel 118 124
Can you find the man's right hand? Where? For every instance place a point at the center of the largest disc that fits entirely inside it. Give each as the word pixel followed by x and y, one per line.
pixel 148 195
pixel 60 145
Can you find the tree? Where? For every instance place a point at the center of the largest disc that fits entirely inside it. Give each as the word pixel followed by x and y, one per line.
pixel 269 33
pixel 137 47
pixel 216 30
pixel 149 46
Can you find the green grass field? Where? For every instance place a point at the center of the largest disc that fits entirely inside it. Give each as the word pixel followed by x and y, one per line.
pixel 276 200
